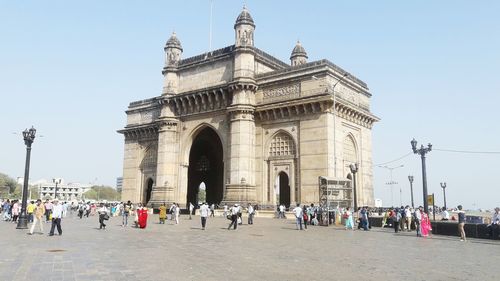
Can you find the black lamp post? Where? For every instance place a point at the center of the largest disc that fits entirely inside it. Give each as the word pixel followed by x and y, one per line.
pixel 56 181
pixel 354 169
pixel 410 178
pixel 422 151
pixel 443 185
pixel 29 137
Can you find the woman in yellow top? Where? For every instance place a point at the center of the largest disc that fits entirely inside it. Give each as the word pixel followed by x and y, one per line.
pixel 39 214
pixel 163 213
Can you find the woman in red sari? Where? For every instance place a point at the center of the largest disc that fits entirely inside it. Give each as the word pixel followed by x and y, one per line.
pixel 425 225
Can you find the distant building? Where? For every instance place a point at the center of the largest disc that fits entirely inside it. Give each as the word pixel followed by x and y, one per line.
pixel 378 203
pixel 119 184
pixel 65 191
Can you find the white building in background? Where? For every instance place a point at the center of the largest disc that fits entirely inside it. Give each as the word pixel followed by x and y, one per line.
pixel 65 191
pixel 119 184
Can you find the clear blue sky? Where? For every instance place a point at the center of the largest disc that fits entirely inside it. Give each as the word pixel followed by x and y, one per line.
pixel 70 69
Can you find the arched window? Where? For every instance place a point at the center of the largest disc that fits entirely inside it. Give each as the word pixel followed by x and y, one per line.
pixel 350 155
pixel 150 156
pixel 282 145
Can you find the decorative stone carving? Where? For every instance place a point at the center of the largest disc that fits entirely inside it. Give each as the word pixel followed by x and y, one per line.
pixel 285 92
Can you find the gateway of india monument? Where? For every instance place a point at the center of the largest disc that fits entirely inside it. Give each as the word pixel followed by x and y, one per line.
pixel 247 126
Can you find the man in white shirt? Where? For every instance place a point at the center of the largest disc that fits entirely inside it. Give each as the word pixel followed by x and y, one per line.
pixel 234 217
pixel 297 211
pixel 251 213
pixel 281 214
pixel 56 218
pixel 445 215
pixel 204 212
pixel 408 218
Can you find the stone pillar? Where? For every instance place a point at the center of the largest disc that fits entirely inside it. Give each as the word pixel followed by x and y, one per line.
pixel 167 160
pixel 131 160
pixel 241 186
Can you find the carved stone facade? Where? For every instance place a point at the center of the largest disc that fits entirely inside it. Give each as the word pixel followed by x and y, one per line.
pixel 248 126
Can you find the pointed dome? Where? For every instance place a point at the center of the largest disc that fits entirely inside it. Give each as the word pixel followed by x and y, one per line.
pixel 298 51
pixel 244 18
pixel 173 42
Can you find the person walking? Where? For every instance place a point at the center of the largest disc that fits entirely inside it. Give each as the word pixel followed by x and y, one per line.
pixel 38 212
pixel 103 215
pixel 56 218
pixel 15 211
pixel 251 213
pixel 305 216
pixel 48 210
pixel 281 214
pixel 408 218
pixel 418 219
pixel 127 209
pixel 177 211
pixel 364 218
pixel 172 211
pixel 204 212
pixel 191 208
pixel 6 208
pixel 396 218
pixel 225 210
pixel 425 224
pixel 348 220
pixel 234 217
pixel 163 213
pixel 461 223
pixel 212 210
pixel 29 210
pixel 297 211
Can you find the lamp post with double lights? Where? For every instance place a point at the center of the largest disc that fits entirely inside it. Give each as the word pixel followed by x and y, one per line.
pixel 410 178
pixel 354 169
pixel 56 181
pixel 29 137
pixel 391 183
pixel 422 151
pixel 443 186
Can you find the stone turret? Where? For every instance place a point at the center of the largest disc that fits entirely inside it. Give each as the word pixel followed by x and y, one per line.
pixel 299 55
pixel 173 52
pixel 244 29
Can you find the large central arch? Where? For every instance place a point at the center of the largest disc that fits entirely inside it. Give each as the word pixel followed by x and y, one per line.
pixel 206 165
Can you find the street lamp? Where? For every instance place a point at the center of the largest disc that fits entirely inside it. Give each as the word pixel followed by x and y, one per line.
pixel 29 137
pixel 391 183
pixel 334 124
pixel 56 181
pixel 443 185
pixel 354 169
pixel 410 178
pixel 422 151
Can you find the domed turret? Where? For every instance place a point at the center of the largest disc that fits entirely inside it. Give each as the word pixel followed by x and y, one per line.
pixel 244 28
pixel 173 50
pixel 244 18
pixel 299 55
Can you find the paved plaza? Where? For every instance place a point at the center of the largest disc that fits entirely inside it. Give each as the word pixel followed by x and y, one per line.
pixel 270 249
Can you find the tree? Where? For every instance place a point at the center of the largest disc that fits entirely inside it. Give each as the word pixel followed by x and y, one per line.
pixel 102 193
pixel 9 182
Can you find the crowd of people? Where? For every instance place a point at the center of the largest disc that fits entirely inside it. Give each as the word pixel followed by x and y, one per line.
pixel 403 219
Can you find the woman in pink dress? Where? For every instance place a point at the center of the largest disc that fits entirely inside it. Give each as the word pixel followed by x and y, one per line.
pixel 425 225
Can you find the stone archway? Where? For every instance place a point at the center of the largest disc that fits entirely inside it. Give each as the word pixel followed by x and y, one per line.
pixel 206 165
pixel 148 190
pixel 284 189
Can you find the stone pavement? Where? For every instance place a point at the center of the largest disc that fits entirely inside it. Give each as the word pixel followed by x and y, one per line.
pixel 270 249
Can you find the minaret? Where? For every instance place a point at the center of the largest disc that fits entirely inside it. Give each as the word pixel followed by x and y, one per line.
pixel 173 52
pixel 244 28
pixel 299 55
pixel 240 184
